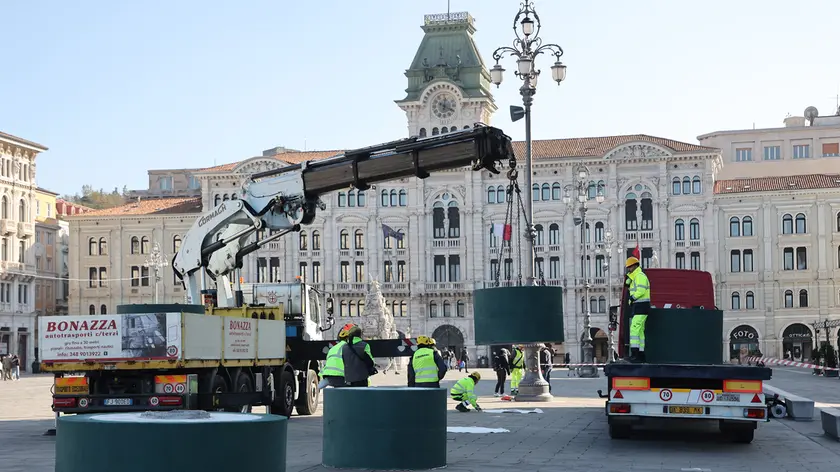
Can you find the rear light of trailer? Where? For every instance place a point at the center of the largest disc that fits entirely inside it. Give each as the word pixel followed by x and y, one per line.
pixel 742 386
pixel 755 413
pixel 631 383
pixel 64 402
pixel 621 408
pixel 170 401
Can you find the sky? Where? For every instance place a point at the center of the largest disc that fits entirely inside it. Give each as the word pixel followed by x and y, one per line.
pixel 117 88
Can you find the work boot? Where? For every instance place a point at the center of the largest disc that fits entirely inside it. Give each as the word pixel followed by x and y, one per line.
pixel 460 407
pixel 634 355
pixel 641 357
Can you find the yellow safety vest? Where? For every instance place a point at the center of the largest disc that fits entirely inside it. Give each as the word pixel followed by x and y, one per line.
pixel 424 365
pixel 639 286
pixel 464 389
pixel 518 359
pixel 334 367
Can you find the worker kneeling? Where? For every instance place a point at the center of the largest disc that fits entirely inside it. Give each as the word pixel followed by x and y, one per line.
pixel 639 292
pixel 464 392
pixel 427 367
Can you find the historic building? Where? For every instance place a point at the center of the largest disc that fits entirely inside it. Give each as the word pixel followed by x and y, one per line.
pixel 17 258
pixel 779 220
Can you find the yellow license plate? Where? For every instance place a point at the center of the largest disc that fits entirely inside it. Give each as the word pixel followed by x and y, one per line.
pixel 686 410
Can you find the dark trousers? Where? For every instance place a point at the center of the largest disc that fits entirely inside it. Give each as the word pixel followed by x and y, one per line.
pixel 501 376
pixel 427 385
pixel 546 371
pixel 358 383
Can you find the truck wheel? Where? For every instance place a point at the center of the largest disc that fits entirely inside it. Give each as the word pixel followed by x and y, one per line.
pixel 620 431
pixel 742 435
pixel 219 385
pixel 242 384
pixel 284 395
pixel 307 404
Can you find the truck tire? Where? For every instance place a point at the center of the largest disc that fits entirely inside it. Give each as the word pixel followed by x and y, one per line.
pixel 284 395
pixel 218 385
pixel 740 433
pixel 620 431
pixel 242 384
pixel 307 403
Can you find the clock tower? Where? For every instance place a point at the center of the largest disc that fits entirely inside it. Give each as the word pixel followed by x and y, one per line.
pixel 448 83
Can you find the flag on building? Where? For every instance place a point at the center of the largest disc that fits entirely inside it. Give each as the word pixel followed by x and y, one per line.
pixel 389 232
pixel 637 253
pixel 501 230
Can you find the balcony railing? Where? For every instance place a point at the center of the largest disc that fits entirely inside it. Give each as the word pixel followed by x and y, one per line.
pixel 394 286
pixel 441 286
pixel 449 242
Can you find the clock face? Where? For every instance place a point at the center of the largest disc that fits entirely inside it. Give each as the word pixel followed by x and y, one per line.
pixel 443 105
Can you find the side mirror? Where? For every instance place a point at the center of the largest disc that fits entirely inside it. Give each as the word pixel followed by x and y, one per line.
pixel 330 306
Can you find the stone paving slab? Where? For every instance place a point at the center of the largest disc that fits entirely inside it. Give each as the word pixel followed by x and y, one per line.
pixel 571 435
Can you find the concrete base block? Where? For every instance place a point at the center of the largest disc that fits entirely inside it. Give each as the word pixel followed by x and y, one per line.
pixel 385 428
pixel 831 422
pixel 798 408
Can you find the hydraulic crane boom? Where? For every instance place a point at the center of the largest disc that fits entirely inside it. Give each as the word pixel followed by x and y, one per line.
pixel 285 198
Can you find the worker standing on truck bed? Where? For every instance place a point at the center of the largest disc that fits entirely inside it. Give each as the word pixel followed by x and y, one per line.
pixel 464 392
pixel 333 373
pixel 427 367
pixel 639 293
pixel 358 362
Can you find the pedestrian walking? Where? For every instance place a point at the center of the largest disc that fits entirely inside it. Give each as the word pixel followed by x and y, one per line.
pixel 465 360
pixel 501 364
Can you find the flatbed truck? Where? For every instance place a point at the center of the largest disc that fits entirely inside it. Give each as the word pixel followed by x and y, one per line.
pixel 732 395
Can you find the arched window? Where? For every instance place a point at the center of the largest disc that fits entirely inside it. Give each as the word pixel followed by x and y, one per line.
pixel 500 194
pixel 4 211
pixel 394 197
pixel 556 191
pixel 801 227
pixel 22 211
pixel 787 224
pixel 225 198
pixel 351 308
pixel 383 199
pixel 535 192
pixel 303 240
pixel 135 245
pixel 351 198
pixel 403 198
pixel 435 131
pixel 546 192
pixel 803 298
pixel 540 240
pixel 599 232
pixel 92 310
pixel 343 309
pixel 422 132
pixel 438 217
pixel 234 196
pixel 675 186
pixel 736 301
pixel 454 217
pixel 491 195
pixel 602 304
pixel 734 226
pixel 588 236
pixel 447 309
pixel 444 130
pixel 679 230
pixel 216 200
pixel 750 301
pixel 359 239
pixel 466 127
pixel 316 241
pixel 176 243
pixel 103 310
pixel 696 188
pixel 747 226
pixel 788 298
pixel 591 190
pixel 694 229
pixel 103 247
pixel 360 198
pixel 686 185
pixel 344 239
pixel 603 188
pixel 144 245
pixel 554 234
pixel 91 247
pixel 460 309
pixel 433 311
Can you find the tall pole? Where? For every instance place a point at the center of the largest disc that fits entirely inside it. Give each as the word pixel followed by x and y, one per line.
pixel 589 370
pixel 526 47
pixel 156 262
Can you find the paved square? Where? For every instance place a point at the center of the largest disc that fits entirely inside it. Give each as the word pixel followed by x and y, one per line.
pixel 571 435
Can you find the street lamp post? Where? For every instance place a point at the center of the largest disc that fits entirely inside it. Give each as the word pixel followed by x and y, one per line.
pixel 526 47
pixel 579 191
pixel 609 243
pixel 156 262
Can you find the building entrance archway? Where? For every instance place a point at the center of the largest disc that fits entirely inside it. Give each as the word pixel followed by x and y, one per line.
pixel 448 336
pixel 600 344
pixel 743 343
pixel 797 341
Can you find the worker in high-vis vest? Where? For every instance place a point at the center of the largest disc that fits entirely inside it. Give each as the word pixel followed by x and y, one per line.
pixel 464 393
pixel 332 374
pixel 427 367
pixel 517 369
pixel 638 288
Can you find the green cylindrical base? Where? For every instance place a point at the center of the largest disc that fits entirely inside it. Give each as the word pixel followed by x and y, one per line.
pixel 508 315
pixel 171 442
pixel 684 336
pixel 136 308
pixel 385 428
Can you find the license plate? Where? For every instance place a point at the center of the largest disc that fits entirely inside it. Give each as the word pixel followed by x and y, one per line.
pixel 729 397
pixel 686 410
pixel 118 402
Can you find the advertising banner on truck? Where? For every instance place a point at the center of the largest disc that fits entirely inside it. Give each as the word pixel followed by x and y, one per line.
pixel 110 337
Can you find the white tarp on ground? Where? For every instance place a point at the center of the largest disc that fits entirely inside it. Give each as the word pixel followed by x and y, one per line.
pixel 510 410
pixel 475 430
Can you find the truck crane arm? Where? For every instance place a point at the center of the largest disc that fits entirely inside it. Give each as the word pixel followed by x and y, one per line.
pixel 285 198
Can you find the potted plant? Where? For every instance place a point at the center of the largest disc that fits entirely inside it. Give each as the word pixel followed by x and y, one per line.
pixel 830 357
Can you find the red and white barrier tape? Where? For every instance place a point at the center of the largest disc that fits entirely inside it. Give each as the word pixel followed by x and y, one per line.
pixel 774 361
